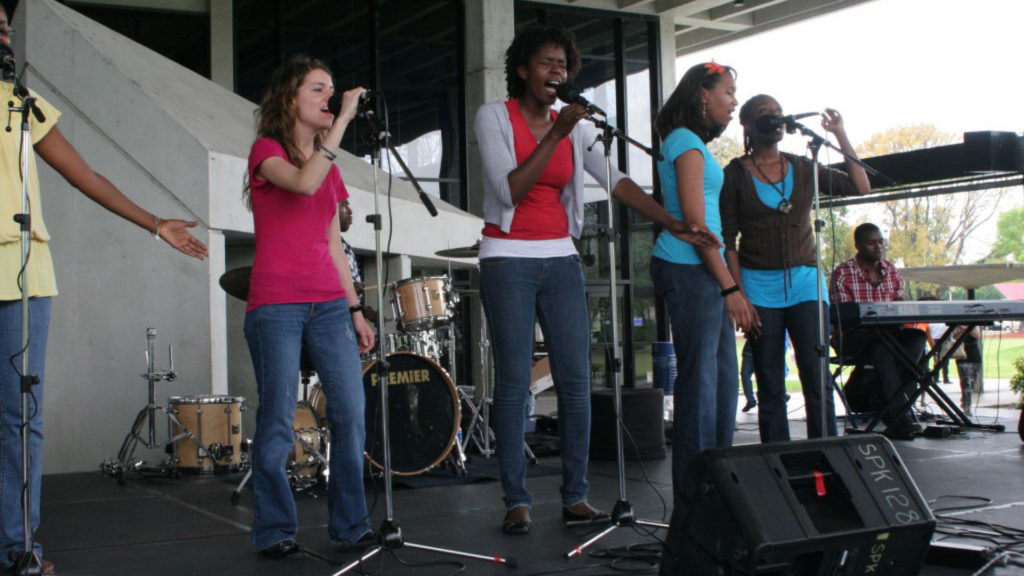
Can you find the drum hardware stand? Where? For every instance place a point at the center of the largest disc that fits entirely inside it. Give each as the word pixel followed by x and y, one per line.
pixel 298 485
pixel 147 418
pixel 27 562
pixel 389 535
pixel 622 514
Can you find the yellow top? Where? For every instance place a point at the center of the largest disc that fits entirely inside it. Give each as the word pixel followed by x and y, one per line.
pixel 39 278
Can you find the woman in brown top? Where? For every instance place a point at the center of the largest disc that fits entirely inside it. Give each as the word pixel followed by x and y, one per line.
pixel 766 202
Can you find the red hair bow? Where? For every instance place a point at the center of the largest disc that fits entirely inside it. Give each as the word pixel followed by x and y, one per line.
pixel 714 68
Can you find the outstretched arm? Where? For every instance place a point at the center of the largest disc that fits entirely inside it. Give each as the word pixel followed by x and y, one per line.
pixel 62 156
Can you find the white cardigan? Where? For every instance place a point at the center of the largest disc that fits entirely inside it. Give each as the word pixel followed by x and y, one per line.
pixel 498 153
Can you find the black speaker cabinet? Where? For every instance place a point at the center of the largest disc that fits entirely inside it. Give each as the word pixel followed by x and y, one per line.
pixel 837 506
pixel 643 413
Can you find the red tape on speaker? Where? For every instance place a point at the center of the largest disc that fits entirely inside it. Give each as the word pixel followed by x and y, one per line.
pixel 819 484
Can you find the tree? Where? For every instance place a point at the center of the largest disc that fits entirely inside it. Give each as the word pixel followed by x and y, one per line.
pixel 724 149
pixel 928 230
pixel 1009 237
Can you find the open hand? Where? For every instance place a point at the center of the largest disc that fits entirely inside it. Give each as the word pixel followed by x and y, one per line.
pixel 175 233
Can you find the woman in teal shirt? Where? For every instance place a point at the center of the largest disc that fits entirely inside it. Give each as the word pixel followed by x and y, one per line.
pixel 704 303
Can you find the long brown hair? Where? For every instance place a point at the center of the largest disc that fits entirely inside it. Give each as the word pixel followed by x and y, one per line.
pixel 275 118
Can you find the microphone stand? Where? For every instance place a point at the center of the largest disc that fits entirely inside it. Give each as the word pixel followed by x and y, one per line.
pixel 622 514
pixel 390 533
pixel 814 145
pixel 28 562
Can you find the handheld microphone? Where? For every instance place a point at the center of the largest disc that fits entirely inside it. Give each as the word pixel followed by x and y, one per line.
pixel 334 104
pixel 8 64
pixel 568 92
pixel 769 124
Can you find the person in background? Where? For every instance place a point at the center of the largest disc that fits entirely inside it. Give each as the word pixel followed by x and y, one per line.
pixel 353 262
pixel 38 279
pixel 869 277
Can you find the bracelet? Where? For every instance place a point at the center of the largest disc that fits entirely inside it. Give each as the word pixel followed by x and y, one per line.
pixel 730 290
pixel 356 308
pixel 330 155
pixel 156 230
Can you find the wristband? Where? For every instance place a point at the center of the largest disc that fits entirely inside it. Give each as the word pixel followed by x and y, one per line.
pixel 156 230
pixel 330 155
pixel 730 290
pixel 356 308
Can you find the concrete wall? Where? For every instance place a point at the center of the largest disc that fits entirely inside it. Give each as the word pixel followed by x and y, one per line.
pixel 175 143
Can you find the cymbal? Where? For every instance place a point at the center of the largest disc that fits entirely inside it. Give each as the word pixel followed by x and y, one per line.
pixel 236 282
pixel 462 252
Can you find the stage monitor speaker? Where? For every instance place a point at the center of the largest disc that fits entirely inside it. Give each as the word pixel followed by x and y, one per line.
pixel 643 412
pixel 837 506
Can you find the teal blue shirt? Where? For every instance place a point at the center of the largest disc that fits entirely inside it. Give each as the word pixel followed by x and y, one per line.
pixel 679 142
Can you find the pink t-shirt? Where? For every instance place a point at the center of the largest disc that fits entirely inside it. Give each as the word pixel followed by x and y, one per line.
pixel 292 262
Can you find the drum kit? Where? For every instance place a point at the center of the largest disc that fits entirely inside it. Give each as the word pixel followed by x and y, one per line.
pixel 204 432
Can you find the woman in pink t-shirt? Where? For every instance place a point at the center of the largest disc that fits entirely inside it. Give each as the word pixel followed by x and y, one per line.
pixel 301 298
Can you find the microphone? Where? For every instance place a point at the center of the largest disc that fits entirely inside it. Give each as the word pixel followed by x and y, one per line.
pixel 568 92
pixel 334 104
pixel 8 64
pixel 769 124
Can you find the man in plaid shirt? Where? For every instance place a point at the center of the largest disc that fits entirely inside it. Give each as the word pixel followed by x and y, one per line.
pixel 869 277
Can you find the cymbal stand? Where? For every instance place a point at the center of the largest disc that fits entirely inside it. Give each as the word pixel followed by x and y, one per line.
pixel 146 418
pixel 389 535
pixel 622 514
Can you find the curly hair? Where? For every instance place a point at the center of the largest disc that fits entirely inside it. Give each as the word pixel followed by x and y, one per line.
pixel 275 118
pixel 747 116
pixel 527 43
pixel 684 108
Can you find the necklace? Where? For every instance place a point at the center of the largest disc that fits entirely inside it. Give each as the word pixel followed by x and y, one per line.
pixel 784 206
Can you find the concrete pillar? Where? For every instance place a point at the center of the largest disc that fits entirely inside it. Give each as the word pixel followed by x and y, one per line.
pixel 667 39
pixel 490 28
pixel 222 43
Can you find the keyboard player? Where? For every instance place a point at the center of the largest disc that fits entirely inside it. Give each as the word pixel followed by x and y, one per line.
pixel 869 277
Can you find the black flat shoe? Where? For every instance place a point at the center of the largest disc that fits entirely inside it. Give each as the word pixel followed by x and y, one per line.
pixel 583 512
pixel 517 521
pixel 281 550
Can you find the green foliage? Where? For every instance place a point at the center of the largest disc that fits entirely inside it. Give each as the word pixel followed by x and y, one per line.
pixel 1017 380
pixel 1009 237
pixel 724 149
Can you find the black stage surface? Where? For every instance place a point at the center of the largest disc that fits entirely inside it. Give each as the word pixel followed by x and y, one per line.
pixel 167 527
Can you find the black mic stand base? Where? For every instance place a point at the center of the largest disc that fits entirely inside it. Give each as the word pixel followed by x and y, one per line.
pixel 622 517
pixel 28 564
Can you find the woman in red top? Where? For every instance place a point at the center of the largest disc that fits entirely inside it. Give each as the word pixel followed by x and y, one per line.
pixel 534 160
pixel 301 297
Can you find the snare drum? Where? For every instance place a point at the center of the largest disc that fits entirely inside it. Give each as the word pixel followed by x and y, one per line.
pixel 424 416
pixel 303 462
pixel 208 432
pixel 423 303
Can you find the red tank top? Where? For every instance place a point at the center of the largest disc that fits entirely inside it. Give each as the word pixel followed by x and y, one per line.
pixel 540 214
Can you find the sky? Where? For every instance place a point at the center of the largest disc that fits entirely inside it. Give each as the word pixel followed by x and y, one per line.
pixel 887 63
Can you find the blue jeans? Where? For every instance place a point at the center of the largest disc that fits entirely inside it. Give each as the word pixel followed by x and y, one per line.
pixel 276 334
pixel 12 532
pixel 705 342
pixel 517 292
pixel 747 373
pixel 769 352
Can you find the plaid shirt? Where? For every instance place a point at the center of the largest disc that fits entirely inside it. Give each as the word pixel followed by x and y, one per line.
pixel 850 283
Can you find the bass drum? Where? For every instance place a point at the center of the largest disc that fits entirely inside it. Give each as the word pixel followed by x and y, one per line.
pixel 424 415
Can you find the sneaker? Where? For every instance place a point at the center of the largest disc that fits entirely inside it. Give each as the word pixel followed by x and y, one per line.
pixel 750 405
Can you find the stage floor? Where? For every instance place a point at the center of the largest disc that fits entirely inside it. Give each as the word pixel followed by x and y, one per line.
pixel 165 527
